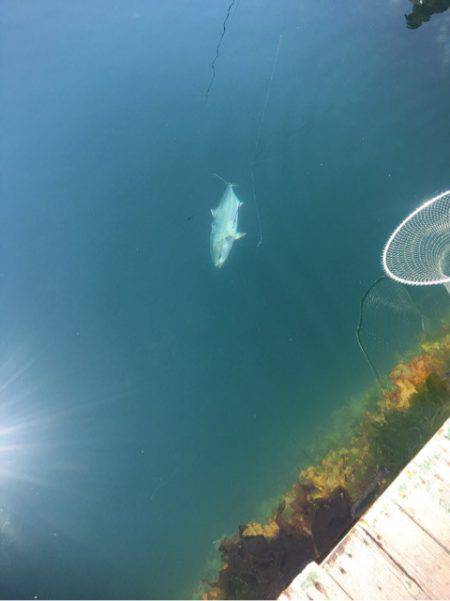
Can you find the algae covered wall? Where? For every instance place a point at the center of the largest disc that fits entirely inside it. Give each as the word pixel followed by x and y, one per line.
pixel 261 559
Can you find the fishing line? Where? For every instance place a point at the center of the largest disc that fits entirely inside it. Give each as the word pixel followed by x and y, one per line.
pixel 358 332
pixel 259 133
pixel 225 181
pixel 417 309
pixel 258 216
pixel 266 101
pixel 213 64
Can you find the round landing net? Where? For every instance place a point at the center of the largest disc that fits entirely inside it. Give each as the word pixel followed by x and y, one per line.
pixel 418 251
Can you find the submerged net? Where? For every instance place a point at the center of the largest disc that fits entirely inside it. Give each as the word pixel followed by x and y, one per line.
pixel 390 322
pixel 418 251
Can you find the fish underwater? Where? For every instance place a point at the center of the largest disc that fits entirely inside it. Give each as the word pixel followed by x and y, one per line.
pixel 224 226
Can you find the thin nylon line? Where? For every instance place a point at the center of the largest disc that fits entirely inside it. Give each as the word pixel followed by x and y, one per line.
pixel 358 332
pixel 257 210
pixel 266 102
pixel 259 134
pixel 213 64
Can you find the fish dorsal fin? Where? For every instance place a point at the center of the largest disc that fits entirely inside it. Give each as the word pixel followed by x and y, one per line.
pixel 239 235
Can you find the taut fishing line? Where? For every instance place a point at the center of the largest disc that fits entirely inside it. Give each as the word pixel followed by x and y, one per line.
pixel 219 44
pixel 259 133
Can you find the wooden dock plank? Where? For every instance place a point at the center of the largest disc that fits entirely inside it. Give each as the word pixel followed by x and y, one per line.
pixel 399 549
pixel 409 546
pixel 429 515
pixel 422 490
pixel 432 482
pixel 427 503
pixel 314 584
pixel 360 566
pixel 432 463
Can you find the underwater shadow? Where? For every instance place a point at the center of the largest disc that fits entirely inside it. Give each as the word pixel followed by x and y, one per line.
pixel 423 10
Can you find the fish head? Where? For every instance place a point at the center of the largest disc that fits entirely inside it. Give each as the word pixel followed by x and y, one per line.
pixel 220 249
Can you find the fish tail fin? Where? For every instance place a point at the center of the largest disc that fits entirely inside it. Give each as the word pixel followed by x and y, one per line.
pixel 225 181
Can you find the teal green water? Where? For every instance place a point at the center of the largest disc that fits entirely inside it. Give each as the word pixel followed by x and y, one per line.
pixel 150 402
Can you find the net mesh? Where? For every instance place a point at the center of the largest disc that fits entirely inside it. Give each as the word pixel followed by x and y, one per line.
pixel 390 324
pixel 418 252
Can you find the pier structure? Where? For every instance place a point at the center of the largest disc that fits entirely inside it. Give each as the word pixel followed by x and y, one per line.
pixel 400 547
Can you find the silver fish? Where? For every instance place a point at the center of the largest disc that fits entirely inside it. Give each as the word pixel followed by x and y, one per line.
pixel 224 226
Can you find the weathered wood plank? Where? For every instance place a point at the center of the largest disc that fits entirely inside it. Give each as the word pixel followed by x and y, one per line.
pixel 430 483
pixel 314 584
pixel 435 455
pixel 427 513
pixel 426 499
pixel 360 566
pixel 422 490
pixel 400 548
pixel 434 458
pixel 409 546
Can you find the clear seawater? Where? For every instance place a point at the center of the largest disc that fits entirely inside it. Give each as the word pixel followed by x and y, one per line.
pixel 149 402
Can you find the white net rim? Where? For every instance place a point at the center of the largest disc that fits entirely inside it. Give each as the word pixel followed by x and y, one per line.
pixel 397 278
